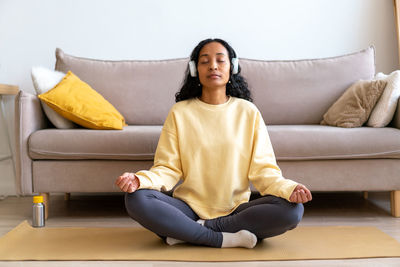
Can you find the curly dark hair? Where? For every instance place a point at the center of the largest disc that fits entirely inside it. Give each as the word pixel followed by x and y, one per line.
pixel 192 88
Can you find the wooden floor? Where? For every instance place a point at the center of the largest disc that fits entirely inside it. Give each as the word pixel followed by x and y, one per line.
pixel 108 210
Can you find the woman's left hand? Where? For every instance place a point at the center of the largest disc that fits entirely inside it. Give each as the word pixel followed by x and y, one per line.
pixel 300 194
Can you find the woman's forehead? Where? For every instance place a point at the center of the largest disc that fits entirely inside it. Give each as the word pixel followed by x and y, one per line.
pixel 213 48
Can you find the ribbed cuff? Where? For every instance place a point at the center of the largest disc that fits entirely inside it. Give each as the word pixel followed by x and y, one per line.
pixel 288 189
pixel 144 182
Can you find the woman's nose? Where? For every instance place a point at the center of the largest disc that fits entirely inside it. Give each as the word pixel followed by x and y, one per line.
pixel 213 65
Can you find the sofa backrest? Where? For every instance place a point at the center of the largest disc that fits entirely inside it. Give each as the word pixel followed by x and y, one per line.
pixel 301 91
pixel 286 92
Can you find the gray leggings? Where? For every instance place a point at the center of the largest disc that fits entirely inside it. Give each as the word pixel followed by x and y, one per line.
pixel 166 216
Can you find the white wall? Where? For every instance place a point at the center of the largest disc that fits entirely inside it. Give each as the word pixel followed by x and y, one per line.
pixel 156 29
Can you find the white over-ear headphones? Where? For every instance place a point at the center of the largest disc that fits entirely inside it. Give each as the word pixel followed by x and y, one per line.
pixel 193 70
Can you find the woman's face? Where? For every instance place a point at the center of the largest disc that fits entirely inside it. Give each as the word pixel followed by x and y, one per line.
pixel 214 66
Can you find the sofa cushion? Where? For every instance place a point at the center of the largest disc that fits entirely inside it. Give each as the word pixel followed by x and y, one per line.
pixel 310 142
pixel 301 91
pixel 290 142
pixel 133 143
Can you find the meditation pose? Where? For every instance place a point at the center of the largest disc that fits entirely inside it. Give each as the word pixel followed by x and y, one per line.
pixel 215 142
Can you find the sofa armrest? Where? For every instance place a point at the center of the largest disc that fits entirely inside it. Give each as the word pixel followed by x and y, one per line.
pixel 396 118
pixel 29 117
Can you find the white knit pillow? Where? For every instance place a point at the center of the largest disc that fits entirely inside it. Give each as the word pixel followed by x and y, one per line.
pixel 385 108
pixel 43 80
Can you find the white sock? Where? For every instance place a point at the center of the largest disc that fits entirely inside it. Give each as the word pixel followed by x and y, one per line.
pixel 243 238
pixel 172 241
pixel 200 221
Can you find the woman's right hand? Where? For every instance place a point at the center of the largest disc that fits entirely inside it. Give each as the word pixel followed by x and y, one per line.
pixel 128 182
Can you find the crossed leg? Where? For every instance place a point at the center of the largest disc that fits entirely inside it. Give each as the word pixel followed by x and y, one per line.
pixel 265 216
pixel 169 217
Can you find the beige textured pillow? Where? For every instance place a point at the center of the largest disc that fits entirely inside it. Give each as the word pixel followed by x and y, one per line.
pixel 353 108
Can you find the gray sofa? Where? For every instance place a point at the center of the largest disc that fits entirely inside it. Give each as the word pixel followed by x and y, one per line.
pixel 291 95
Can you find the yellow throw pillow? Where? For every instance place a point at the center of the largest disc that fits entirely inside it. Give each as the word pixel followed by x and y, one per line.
pixel 77 101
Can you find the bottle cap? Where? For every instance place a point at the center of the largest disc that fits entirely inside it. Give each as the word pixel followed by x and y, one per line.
pixel 38 199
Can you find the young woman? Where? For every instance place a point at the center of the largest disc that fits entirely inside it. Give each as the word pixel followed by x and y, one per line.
pixel 215 141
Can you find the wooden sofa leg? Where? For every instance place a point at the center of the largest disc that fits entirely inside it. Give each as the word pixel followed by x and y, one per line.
pixel 395 203
pixel 365 194
pixel 46 197
pixel 67 196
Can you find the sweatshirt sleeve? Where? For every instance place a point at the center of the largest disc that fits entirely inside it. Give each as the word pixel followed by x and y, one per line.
pixel 166 170
pixel 264 172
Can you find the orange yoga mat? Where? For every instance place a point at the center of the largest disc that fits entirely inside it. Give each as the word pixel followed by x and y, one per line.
pixel 303 243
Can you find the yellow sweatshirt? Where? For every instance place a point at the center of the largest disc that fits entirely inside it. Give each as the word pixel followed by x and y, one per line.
pixel 215 150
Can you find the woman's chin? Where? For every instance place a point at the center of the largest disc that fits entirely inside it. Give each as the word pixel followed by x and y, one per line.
pixel 214 84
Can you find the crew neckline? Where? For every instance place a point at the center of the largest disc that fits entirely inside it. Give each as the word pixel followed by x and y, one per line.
pixel 213 106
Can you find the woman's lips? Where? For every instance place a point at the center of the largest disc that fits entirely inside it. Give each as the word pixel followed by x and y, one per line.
pixel 214 76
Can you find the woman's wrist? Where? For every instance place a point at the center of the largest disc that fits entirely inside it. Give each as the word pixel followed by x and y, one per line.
pixel 136 181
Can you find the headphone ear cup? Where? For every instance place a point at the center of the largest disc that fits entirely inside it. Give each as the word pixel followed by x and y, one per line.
pixel 235 65
pixel 192 68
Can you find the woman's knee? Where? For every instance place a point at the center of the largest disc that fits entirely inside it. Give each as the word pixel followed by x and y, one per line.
pixel 289 213
pixel 137 196
pixel 294 215
pixel 288 219
pixel 136 201
pixel 285 218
